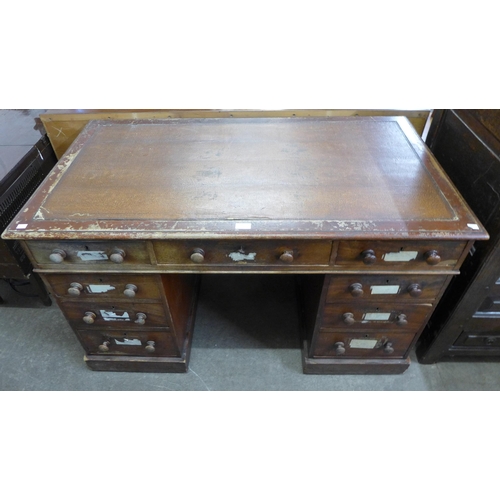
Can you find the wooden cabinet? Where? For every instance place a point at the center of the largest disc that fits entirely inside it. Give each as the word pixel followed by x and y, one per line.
pixel 136 212
pixel 466 324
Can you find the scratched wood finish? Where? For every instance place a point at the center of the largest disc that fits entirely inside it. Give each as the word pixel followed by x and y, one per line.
pixel 64 125
pixel 313 178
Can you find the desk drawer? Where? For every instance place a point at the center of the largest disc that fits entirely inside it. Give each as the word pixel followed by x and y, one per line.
pixel 105 286
pixel 92 254
pixel 375 316
pixel 126 343
pixel 243 253
pixel 405 255
pixel 362 345
pixel 394 287
pixel 112 315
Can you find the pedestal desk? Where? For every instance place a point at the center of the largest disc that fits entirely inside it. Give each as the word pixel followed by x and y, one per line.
pixel 136 212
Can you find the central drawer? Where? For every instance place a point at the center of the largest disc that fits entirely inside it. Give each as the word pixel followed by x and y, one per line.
pixel 109 315
pixel 243 253
pixel 375 316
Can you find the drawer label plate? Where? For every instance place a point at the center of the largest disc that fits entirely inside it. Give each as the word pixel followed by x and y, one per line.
pixel 363 343
pixel 99 288
pixel 112 316
pixel 376 316
pixel 128 342
pixel 384 289
pixel 91 255
pixel 239 256
pixel 400 256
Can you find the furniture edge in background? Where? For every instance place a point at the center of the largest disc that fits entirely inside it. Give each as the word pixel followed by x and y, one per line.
pixel 64 125
pixel 467 145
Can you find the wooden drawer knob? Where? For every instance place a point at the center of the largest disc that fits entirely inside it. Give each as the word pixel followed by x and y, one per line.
pixel 339 348
pixel 401 320
pixel 150 347
pixel 415 290
pixel 75 289
pixel 368 257
pixel 287 256
pixel 356 289
pixel 388 349
pixel 432 257
pixel 104 347
pixel 117 256
pixel 141 319
pixel 130 291
pixel 57 255
pixel 348 318
pixel 198 256
pixel 89 317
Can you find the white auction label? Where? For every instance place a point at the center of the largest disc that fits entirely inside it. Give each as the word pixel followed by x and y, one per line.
pixel 91 255
pixel 384 289
pixel 363 343
pixel 400 256
pixel 243 225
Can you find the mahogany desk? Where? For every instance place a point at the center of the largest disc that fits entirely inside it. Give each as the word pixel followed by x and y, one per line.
pixel 136 211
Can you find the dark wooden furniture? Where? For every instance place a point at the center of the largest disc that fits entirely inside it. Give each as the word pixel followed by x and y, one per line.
pixel 17 184
pixel 467 321
pixel 135 212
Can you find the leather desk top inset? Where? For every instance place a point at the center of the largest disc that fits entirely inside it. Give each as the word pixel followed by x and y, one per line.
pixel 296 177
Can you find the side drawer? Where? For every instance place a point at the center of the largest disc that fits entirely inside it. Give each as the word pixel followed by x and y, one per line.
pixel 362 345
pixel 240 253
pixel 396 287
pixel 126 343
pixel 375 316
pixel 112 315
pixel 113 255
pixel 104 286
pixel 405 255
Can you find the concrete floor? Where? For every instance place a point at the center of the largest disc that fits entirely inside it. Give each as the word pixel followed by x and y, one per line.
pixel 234 348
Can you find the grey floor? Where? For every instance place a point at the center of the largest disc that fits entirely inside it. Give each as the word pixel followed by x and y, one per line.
pixel 235 348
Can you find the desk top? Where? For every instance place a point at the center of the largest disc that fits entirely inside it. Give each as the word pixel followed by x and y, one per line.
pixel 353 177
